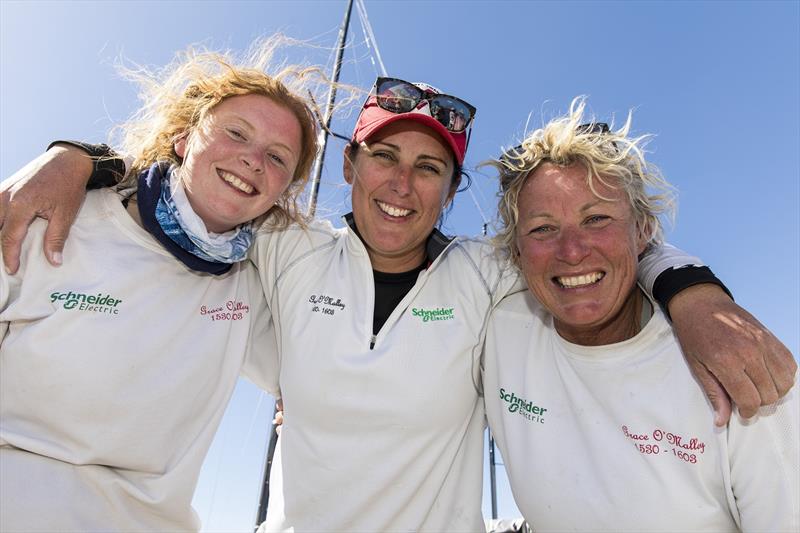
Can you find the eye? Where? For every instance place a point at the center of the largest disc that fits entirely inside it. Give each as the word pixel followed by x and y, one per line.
pixel 541 231
pixel 433 169
pixel 596 219
pixel 235 134
pixel 277 159
pixel 388 156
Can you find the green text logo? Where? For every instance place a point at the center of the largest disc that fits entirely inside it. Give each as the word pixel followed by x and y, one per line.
pixel 429 315
pixel 94 303
pixel 526 408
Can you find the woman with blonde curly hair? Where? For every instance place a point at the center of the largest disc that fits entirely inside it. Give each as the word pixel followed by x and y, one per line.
pixel 117 367
pixel 600 422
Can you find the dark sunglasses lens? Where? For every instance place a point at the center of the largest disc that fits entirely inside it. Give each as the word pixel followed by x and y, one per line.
pixel 397 96
pixel 593 128
pixel 452 113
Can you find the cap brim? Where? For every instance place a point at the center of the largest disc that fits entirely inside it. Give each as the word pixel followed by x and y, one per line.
pixel 364 131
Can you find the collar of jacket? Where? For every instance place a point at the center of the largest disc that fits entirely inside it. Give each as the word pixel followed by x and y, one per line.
pixel 435 245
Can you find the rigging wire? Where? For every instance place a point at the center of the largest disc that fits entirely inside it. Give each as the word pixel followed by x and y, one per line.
pixel 366 27
pixel 480 211
pixel 253 418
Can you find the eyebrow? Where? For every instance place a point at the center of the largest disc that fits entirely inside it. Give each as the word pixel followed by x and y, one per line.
pixel 423 156
pixel 585 207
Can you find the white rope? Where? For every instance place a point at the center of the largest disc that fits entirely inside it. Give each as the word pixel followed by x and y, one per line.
pixel 367 29
pixel 480 211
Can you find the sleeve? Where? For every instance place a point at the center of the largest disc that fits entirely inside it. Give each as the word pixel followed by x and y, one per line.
pixel 765 476
pixel 665 270
pixel 109 167
pixel 262 360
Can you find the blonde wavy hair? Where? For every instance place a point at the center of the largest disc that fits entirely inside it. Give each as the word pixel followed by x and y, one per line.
pixel 176 99
pixel 612 157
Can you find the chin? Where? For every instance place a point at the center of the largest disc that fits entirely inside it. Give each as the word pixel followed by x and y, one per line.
pixel 582 317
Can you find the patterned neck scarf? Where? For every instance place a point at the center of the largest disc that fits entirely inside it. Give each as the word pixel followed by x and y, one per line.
pixel 167 215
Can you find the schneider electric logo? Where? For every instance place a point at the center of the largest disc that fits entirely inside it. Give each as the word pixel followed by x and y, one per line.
pixel 526 408
pixel 430 315
pixel 92 303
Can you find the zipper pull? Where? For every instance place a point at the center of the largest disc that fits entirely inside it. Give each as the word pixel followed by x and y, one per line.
pixel 372 341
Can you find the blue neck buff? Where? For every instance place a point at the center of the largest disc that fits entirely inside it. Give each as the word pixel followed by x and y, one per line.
pixel 180 230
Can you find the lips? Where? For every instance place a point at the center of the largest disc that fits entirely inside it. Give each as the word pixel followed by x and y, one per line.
pixel 579 281
pixel 393 211
pixel 236 182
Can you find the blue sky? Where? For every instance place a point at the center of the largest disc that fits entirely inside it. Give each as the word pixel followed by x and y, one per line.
pixel 717 82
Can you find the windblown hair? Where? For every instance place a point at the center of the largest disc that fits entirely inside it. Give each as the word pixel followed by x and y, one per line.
pixel 177 98
pixel 613 158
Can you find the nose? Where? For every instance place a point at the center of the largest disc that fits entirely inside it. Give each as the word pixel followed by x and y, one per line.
pixel 573 246
pixel 253 160
pixel 401 180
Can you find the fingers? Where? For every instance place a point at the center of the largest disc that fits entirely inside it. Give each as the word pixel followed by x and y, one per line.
pixel 782 368
pixel 56 235
pixel 12 234
pixel 762 380
pixel 278 420
pixel 714 391
pixel 768 364
pixel 5 197
pixel 753 366
pixel 742 391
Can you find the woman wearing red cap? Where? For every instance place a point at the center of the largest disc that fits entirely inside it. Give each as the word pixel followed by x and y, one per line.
pixel 380 327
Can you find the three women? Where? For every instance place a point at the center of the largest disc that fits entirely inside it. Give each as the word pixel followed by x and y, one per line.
pixel 386 396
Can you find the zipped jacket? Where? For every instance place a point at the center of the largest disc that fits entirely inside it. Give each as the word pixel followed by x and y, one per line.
pixel 381 432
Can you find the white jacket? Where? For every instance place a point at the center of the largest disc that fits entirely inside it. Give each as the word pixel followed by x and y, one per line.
pixel 115 371
pixel 384 433
pixel 383 437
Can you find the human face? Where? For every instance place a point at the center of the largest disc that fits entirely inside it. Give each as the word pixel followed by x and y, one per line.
pixel 401 182
pixel 239 160
pixel 579 253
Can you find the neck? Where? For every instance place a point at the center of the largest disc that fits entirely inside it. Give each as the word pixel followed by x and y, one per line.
pixel 397 264
pixel 625 325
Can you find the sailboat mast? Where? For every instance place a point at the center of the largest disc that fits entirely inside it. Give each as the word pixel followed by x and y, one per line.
pixel 337 67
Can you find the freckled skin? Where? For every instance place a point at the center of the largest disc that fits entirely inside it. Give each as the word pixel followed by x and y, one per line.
pixel 251 137
pixel 407 166
pixel 565 230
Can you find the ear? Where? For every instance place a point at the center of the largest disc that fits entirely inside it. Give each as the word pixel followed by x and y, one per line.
pixel 642 232
pixel 450 196
pixel 347 166
pixel 180 146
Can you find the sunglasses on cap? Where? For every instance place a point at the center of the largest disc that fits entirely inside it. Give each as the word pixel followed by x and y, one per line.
pixel 399 96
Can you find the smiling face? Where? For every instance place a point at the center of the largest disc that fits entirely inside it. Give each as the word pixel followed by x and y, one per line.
pixel 239 160
pixel 401 183
pixel 579 253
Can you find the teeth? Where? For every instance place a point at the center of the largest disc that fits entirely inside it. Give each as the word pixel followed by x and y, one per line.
pixel 580 281
pixel 236 182
pixel 392 210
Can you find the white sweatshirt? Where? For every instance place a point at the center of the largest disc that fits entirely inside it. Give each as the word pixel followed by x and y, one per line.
pixel 621 437
pixel 115 370
pixel 386 437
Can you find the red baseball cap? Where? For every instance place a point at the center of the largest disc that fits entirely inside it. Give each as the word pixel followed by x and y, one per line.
pixel 373 117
